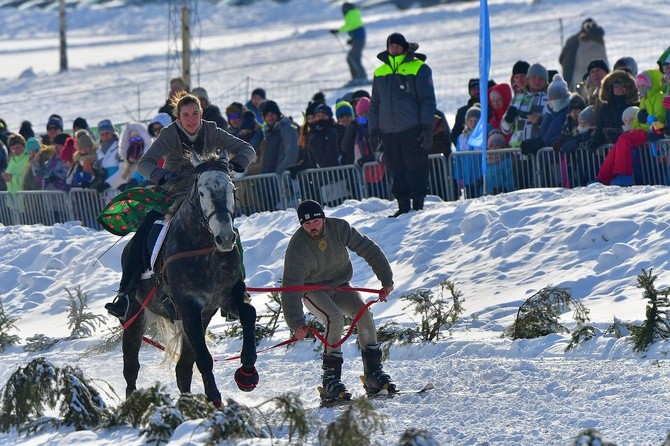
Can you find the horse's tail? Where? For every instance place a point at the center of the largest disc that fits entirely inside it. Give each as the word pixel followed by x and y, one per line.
pixel 162 328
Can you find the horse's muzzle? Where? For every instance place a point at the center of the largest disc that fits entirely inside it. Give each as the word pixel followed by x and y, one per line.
pixel 225 242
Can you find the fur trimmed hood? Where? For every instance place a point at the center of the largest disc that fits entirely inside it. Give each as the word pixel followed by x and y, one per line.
pixel 606 91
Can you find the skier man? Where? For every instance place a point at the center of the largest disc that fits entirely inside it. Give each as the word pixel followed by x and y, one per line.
pixel 317 255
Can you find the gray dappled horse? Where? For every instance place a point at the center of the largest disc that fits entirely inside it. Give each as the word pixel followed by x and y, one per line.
pixel 198 269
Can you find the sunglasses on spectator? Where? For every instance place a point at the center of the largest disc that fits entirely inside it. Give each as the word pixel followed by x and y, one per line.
pixel 136 139
pixel 53 127
pixel 234 116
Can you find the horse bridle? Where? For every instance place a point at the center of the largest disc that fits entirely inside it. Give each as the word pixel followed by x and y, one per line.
pixel 204 219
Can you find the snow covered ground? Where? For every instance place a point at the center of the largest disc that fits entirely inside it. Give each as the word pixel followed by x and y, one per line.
pixel 497 250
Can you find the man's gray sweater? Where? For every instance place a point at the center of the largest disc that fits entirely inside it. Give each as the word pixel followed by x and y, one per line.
pixel 325 262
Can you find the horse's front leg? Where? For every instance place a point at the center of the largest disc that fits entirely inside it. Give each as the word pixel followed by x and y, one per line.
pixel 195 333
pixel 246 377
pixel 131 343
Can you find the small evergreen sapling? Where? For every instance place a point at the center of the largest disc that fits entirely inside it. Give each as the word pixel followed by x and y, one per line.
pixel 159 423
pixel 417 437
pixel 437 314
pixel 354 426
pixel 7 324
pixel 41 384
pixel 290 414
pixel 657 324
pixel 539 314
pixel 80 322
pixel 39 343
pixel 132 410
pixel 232 421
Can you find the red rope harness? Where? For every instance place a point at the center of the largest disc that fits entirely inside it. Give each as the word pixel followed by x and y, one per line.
pixel 318 335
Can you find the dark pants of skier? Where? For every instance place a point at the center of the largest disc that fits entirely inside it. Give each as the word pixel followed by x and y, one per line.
pixel 409 163
pixel 354 59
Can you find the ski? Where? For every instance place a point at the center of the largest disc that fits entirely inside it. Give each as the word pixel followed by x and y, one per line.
pixel 381 395
pixel 386 394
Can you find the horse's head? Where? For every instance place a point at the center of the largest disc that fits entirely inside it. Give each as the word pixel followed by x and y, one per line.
pixel 216 194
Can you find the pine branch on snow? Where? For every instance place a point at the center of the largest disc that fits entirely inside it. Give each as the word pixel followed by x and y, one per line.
pixel 7 324
pixel 657 324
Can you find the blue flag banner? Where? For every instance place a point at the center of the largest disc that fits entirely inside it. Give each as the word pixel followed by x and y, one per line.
pixel 478 136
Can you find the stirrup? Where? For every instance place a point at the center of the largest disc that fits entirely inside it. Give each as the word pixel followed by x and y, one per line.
pixel 119 306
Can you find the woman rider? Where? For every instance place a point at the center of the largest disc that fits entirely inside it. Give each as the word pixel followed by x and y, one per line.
pixel 188 133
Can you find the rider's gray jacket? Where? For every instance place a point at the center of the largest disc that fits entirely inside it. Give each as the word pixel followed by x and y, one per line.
pixel 175 148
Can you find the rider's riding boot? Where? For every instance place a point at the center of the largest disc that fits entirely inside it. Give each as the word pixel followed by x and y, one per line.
pixel 119 306
pixel 375 378
pixel 333 389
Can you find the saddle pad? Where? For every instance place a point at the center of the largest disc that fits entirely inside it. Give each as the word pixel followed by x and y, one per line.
pixel 156 239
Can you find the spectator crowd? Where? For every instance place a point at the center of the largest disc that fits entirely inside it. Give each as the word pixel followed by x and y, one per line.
pixel 396 123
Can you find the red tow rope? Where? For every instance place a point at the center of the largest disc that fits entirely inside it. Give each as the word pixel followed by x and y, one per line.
pixel 288 341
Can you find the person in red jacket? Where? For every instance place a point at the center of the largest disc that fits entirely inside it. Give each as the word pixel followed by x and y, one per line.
pixel 617 169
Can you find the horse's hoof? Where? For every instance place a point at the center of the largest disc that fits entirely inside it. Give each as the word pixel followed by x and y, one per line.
pixel 246 378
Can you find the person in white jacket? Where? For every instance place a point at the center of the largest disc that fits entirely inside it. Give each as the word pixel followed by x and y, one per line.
pixel 108 152
pixel 134 141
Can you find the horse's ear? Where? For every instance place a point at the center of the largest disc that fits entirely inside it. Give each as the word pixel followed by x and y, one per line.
pixel 195 159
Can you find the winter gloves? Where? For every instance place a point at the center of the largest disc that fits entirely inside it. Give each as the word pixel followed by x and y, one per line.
pixel 642 115
pixel 375 140
pixel 511 114
pixel 235 167
pixel 531 146
pixel 426 138
pixel 169 177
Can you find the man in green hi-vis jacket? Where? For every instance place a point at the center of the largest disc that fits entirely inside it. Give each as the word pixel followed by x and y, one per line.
pixel 353 24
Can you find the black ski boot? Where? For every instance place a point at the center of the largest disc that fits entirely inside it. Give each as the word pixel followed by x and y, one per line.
pixel 119 306
pixel 375 378
pixel 404 206
pixel 333 389
pixel 417 203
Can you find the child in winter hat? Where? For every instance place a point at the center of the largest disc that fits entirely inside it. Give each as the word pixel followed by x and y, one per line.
pixel 587 119
pixel 106 126
pixel 248 121
pixel 363 106
pixel 343 108
pixel 324 109
pixel 33 145
pixel 475 113
pixel 496 140
pixel 558 94
pixel 628 116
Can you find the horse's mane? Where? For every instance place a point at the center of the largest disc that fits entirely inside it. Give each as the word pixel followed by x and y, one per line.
pixel 182 187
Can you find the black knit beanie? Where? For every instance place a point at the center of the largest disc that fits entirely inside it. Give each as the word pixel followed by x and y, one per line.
pixel 309 210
